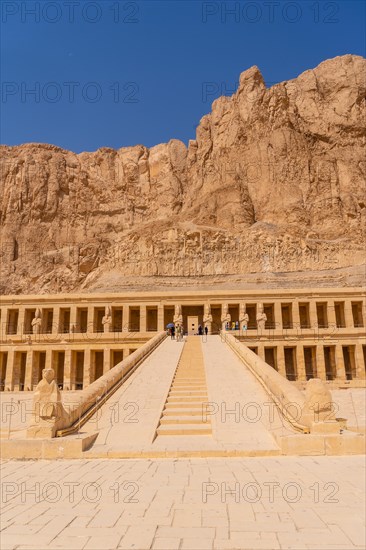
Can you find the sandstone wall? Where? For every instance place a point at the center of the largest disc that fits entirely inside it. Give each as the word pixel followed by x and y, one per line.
pixel 273 182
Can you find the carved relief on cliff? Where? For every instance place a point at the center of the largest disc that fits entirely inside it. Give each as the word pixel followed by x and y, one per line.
pixel 273 182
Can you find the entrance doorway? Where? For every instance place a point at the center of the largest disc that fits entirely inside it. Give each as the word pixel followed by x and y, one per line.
pixel 192 314
pixel 192 324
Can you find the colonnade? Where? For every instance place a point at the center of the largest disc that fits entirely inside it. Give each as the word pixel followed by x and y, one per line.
pixel 300 333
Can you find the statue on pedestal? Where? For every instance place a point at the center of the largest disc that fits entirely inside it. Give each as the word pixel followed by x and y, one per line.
pixel 178 317
pixel 37 322
pixel 107 319
pixel 207 318
pixel 261 318
pixel 225 317
pixel 243 317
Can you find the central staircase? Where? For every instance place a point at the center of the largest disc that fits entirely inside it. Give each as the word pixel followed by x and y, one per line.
pixel 184 407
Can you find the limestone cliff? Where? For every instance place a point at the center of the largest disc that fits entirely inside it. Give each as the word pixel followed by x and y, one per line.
pixel 274 182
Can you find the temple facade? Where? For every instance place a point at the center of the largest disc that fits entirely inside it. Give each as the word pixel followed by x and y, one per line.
pixel 300 333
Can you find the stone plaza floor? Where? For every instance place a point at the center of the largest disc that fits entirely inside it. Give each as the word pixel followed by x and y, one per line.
pixel 263 502
pixel 198 504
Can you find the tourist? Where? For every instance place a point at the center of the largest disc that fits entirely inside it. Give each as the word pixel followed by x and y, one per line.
pixel 206 330
pixel 200 331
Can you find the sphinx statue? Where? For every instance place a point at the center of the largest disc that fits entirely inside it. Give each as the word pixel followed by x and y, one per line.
pixel 48 411
pixel 318 410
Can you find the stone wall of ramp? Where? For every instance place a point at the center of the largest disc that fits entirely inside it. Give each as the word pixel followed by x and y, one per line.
pixel 287 397
pixel 99 391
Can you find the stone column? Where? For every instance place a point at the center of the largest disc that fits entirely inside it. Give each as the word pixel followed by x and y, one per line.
pixel 48 362
pixel 54 365
pixel 360 362
pixel 2 369
pixel 143 318
pixel 90 323
pixel 160 317
pixel 296 316
pixel 126 318
pixel 29 371
pixel 67 370
pixel 21 319
pixel 348 316
pixel 10 367
pixel 16 371
pixel 278 315
pixel 4 315
pixel 56 329
pixel 126 353
pixel 88 375
pixel 339 359
pixel 73 316
pixel 320 362
pixel 313 315
pixel 332 321
pixel 106 360
pixel 300 363
pixel 363 312
pixel 281 361
pixel 261 353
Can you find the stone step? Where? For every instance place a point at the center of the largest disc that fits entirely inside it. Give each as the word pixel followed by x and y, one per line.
pixel 184 405
pixel 189 388
pixel 183 411
pixel 193 393
pixel 182 398
pixel 179 419
pixel 190 377
pixel 189 381
pixel 186 429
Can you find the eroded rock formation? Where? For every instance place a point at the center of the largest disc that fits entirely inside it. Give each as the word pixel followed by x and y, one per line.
pixel 273 182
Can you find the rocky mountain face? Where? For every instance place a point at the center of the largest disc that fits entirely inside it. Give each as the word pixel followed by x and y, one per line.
pixel 273 183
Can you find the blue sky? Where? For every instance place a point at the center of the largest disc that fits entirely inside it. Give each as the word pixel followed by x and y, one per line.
pixel 119 73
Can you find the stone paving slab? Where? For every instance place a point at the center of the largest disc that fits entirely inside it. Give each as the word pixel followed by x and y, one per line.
pixel 195 504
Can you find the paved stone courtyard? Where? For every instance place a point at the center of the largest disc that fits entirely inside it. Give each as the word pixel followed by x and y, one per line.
pixel 199 504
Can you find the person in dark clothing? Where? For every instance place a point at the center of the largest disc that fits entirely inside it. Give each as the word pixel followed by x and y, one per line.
pixel 200 331
pixel 206 330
